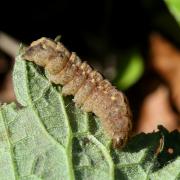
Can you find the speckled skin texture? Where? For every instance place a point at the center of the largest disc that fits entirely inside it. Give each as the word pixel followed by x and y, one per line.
pixel 91 92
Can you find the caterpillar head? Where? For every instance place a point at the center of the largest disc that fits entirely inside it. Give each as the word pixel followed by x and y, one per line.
pixel 121 137
pixel 120 141
pixel 39 51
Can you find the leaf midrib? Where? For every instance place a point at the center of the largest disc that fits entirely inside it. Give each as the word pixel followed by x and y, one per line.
pixel 67 150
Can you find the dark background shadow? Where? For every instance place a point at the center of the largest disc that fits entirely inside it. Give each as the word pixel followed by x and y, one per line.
pixel 87 27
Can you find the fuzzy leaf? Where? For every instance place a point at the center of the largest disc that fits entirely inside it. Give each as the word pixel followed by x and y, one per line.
pixel 49 138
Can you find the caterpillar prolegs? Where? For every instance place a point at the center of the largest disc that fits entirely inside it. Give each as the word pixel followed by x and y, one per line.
pixel 90 90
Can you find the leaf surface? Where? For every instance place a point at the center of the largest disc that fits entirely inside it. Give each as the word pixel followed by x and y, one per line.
pixel 49 138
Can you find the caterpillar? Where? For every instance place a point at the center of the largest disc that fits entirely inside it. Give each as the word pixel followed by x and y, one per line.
pixel 92 93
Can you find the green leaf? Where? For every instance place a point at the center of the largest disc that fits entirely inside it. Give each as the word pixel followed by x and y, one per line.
pixel 174 7
pixel 129 70
pixel 49 138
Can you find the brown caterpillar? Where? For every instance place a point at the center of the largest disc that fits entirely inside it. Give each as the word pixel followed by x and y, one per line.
pixel 91 92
